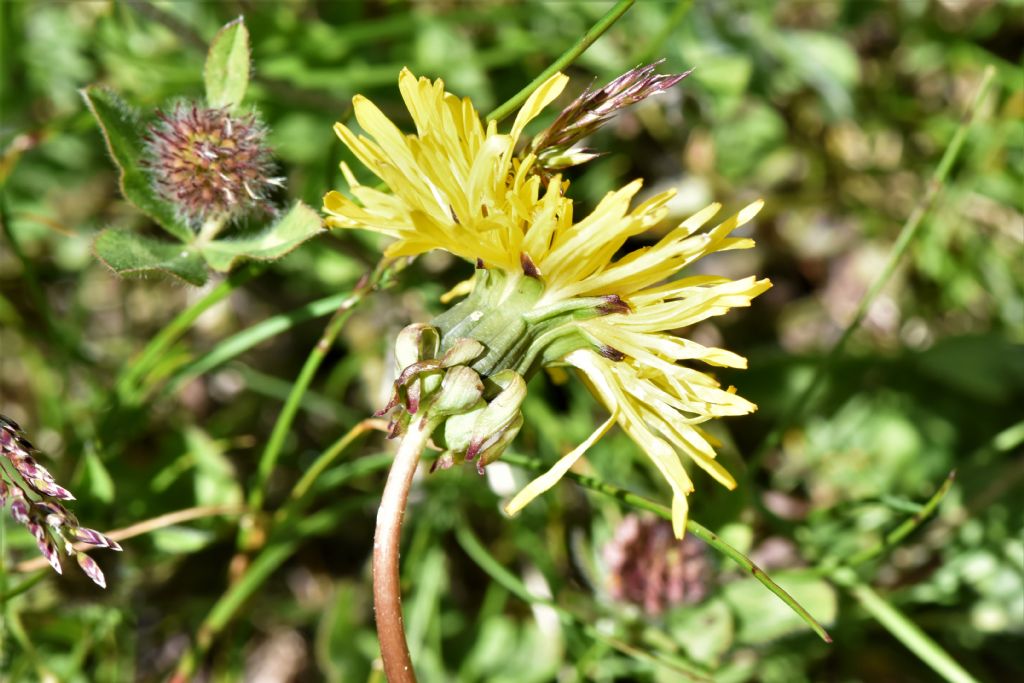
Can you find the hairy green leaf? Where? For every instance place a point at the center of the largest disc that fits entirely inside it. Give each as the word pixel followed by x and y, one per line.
pixel 130 254
pixel 123 134
pixel 298 225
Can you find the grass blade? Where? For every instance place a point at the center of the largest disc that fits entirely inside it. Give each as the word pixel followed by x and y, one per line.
pixel 693 527
pixel 904 630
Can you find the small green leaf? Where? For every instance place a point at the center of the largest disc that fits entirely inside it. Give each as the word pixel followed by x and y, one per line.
pixel 181 540
pixel 97 479
pixel 227 66
pixel 123 133
pixel 215 481
pixel 705 631
pixel 297 226
pixel 130 254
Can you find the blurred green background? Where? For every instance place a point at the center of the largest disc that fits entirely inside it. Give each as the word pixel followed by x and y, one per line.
pixel 835 112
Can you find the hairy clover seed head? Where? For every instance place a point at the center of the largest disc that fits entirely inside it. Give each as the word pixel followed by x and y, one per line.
pixel 209 163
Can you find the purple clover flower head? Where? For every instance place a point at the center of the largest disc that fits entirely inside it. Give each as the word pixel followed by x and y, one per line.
pixel 554 146
pixel 210 164
pixel 649 567
pixel 34 499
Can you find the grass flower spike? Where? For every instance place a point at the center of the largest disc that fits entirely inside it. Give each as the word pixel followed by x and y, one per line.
pixel 549 288
pixel 36 502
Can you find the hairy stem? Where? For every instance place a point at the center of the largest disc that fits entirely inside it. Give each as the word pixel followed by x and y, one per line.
pixel 387 588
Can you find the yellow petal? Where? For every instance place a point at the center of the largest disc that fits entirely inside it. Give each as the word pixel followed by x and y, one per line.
pixel 461 289
pixel 680 511
pixel 538 99
pixel 551 477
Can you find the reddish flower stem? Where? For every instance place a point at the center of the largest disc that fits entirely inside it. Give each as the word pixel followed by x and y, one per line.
pixel 387 588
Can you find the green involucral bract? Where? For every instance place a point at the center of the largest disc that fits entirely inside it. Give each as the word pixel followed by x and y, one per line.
pixel 466 372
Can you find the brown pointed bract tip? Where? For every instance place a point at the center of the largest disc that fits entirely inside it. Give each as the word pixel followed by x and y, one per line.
pixel 613 303
pixel 611 353
pixel 530 269
pixel 593 108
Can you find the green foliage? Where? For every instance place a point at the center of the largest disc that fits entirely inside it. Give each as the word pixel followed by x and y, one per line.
pixel 295 227
pixel 226 73
pixel 837 113
pixel 123 133
pixel 130 254
pixel 226 76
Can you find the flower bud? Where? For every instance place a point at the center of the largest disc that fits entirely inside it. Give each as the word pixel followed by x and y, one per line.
pixel 555 147
pixel 495 445
pixel 499 417
pixel 483 433
pixel 49 488
pixel 461 390
pixel 91 569
pixel 415 343
pixel 462 352
pixel 19 508
pixel 45 545
pixel 93 537
pixel 476 417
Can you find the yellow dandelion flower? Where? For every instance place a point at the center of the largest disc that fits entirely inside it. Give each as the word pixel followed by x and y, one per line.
pixel 549 288
pixel 455 184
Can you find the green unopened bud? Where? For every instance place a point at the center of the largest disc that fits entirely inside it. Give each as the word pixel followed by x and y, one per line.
pixel 484 432
pixel 461 390
pixel 462 352
pixel 497 446
pixel 500 414
pixel 415 343
pixel 466 372
pixel 458 429
pixel 557 159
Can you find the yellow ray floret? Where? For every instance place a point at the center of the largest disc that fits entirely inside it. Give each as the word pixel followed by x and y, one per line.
pixel 455 184
pixel 657 401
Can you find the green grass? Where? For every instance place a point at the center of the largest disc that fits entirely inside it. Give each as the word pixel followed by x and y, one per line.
pixel 889 352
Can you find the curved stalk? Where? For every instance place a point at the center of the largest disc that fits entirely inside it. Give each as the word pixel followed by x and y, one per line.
pixel 387 589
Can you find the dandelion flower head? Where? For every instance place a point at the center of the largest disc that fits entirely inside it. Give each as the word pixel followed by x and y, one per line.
pixel 460 185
